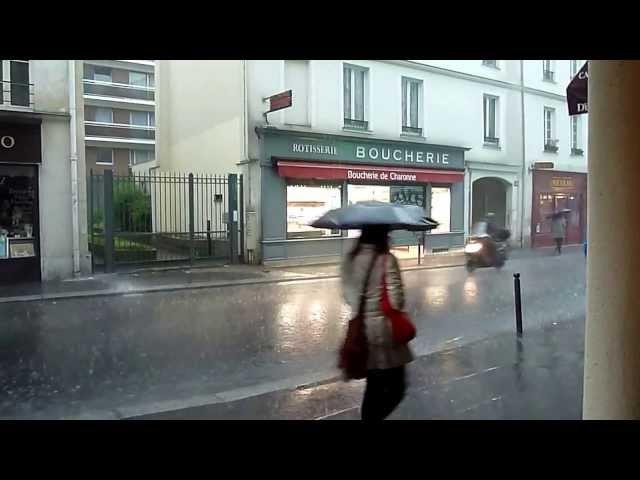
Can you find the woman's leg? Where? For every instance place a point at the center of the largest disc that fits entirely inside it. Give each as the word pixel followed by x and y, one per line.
pixel 384 391
pixel 370 410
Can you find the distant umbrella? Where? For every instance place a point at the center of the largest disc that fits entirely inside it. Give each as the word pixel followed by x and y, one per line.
pixel 367 214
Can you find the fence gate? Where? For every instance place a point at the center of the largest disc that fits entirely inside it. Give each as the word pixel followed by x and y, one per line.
pixel 164 217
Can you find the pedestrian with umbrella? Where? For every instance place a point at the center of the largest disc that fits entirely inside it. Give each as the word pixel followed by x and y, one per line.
pixel 376 345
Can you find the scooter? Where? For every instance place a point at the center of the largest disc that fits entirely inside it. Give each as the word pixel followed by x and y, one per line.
pixel 484 250
pixel 478 252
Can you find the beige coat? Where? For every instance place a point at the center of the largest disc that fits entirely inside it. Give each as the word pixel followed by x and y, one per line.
pixel 383 353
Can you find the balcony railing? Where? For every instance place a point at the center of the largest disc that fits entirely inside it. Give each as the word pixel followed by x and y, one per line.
pixel 551 145
pixel 577 151
pixel 119 90
pixel 119 130
pixel 16 94
pixel 412 130
pixel 490 63
pixel 491 140
pixel 356 124
pixel 548 75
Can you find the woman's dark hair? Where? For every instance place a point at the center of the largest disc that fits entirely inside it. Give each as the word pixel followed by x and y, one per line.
pixel 378 236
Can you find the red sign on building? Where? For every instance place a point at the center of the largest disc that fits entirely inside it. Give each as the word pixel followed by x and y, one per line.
pixel 280 101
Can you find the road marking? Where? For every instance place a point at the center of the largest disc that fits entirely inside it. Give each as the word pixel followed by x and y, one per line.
pixel 333 414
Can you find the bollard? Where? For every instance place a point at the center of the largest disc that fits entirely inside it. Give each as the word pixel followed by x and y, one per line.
pixel 209 249
pixel 516 292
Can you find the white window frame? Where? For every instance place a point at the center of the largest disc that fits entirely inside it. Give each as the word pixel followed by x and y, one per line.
pixel 365 101
pixel 110 110
pixel 132 156
pixel 491 64
pixel 406 101
pixel 147 77
pixel 573 68
pixel 576 130
pixel 148 113
pixel 5 90
pixel 112 156
pixel 485 99
pixel 550 138
pixel 93 74
pixel 550 66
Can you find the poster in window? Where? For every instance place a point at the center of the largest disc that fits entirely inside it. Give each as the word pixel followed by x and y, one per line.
pixel 4 253
pixel 21 249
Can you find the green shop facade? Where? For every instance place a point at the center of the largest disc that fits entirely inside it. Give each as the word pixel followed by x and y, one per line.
pixel 303 175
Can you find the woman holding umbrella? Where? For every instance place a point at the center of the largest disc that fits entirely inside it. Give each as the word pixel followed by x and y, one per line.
pixel 372 287
pixel 558 228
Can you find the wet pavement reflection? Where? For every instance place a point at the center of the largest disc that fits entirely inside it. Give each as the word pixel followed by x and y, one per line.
pixel 101 357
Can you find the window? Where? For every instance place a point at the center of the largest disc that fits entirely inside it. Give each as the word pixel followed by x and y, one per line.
pixel 355 85
pixel 411 94
pixel 2 84
pixel 104 115
pixel 548 70
pixel 102 74
pixel 136 157
pixel 143 118
pixel 140 79
pixel 104 156
pixel 296 79
pixel 574 68
pixel 307 202
pixel 550 142
pixel 441 208
pixel 491 120
pixel 17 86
pixel 490 63
pixel 576 144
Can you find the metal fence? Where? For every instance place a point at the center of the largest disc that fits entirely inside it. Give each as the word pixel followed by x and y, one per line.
pixel 164 217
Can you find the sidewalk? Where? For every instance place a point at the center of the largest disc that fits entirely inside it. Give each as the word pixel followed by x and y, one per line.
pixel 537 377
pixel 159 279
pixel 181 278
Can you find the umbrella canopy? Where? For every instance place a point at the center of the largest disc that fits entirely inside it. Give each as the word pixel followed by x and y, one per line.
pixel 577 92
pixel 367 214
pixel 564 211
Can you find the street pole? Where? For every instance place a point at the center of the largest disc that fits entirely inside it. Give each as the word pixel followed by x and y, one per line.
pixel 518 300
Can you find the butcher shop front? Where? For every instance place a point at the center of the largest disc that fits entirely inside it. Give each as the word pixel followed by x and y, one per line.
pixel 305 175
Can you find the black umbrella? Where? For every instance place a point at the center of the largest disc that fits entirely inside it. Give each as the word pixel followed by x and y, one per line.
pixel 367 214
pixel 577 92
pixel 564 211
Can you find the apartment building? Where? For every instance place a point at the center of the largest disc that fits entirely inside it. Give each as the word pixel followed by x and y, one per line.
pixel 119 114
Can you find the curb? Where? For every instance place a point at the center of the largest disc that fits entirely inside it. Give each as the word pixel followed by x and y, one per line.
pixel 190 286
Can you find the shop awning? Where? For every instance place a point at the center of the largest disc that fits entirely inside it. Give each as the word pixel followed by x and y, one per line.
pixel 577 92
pixel 334 171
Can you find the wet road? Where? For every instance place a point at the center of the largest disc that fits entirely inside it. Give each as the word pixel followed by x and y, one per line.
pixel 112 357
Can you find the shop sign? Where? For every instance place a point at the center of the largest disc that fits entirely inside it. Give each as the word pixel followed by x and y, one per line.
pixel 341 149
pixel 563 182
pixel 20 143
pixel 390 176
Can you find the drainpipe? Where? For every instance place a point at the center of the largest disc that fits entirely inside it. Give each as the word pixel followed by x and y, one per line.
pixel 73 150
pixel 524 150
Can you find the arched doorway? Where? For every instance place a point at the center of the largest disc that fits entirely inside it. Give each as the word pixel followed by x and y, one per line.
pixel 490 195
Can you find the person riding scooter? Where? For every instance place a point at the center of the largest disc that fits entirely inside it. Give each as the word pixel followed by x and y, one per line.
pixel 487 245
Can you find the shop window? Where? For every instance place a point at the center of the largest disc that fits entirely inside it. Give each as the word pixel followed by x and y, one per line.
pixel 411 100
pixel 441 208
pixel 355 97
pixel 306 203
pixel 18 212
pixel 491 111
pixel 296 79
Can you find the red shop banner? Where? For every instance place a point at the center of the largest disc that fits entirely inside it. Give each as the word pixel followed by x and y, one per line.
pixel 329 171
